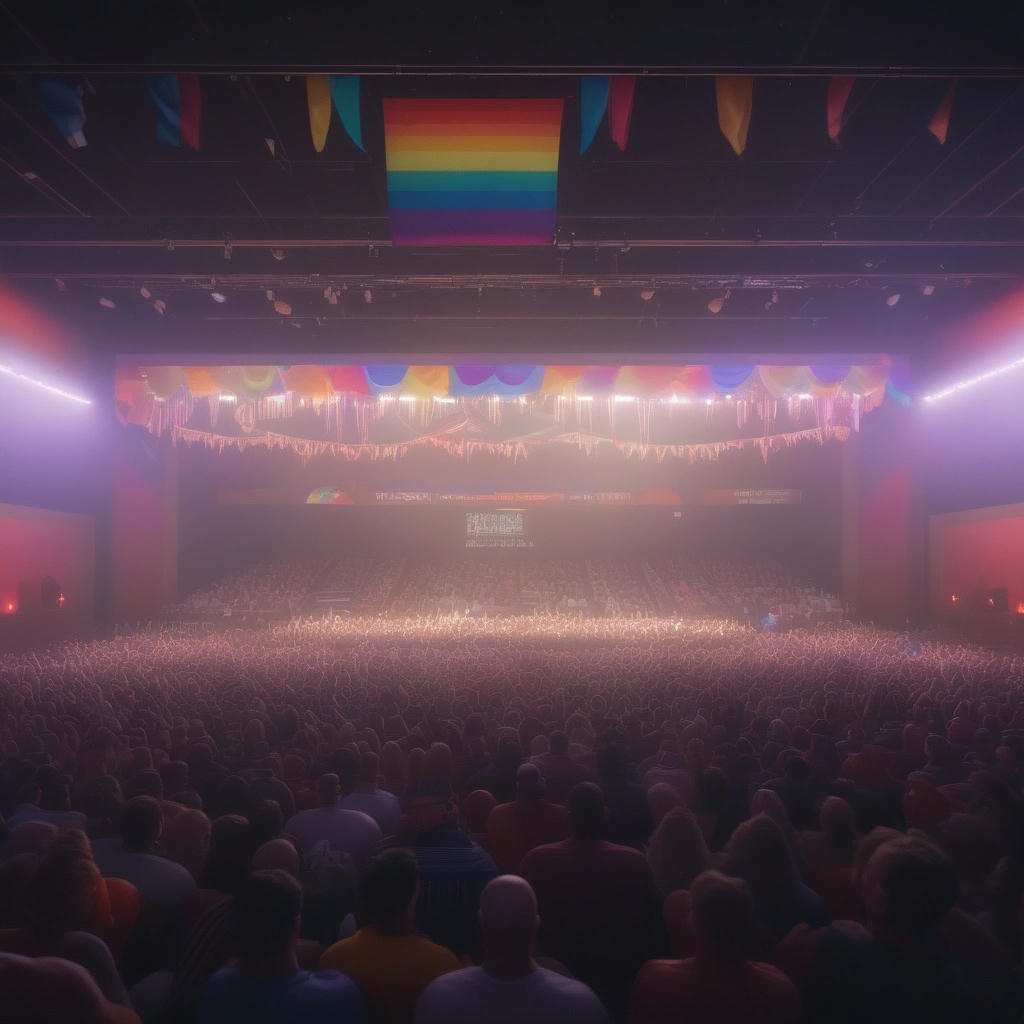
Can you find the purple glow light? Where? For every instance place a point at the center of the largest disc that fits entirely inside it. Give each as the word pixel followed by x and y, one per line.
pixel 11 372
pixel 972 381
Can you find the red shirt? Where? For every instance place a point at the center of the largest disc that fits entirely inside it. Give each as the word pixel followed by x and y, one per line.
pixel 599 910
pixel 514 829
pixel 708 991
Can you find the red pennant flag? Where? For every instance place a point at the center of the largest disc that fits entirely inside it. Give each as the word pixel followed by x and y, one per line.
pixel 838 93
pixel 939 124
pixel 620 108
pixel 189 105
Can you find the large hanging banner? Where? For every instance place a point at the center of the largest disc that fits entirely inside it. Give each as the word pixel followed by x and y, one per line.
pixel 472 172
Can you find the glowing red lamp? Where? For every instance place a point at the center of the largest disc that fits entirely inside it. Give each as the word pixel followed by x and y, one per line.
pixel 10 607
pixel 955 598
pixel 1020 608
pixel 60 600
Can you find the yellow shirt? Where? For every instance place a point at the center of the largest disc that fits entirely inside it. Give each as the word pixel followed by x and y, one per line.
pixel 390 972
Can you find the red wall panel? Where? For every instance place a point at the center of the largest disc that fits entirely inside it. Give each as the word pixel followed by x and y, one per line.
pixel 38 542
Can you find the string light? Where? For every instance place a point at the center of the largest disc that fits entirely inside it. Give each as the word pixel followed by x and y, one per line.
pixel 45 387
pixel 972 381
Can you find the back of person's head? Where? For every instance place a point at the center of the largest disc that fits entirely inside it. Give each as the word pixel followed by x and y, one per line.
pixel 438 766
pixel 346 769
pixel 867 846
pixel 612 761
pixel 508 917
pixel 369 768
pixel 723 916
pixel 588 816
pixel 529 782
pixel 677 851
pixel 267 906
pixel 141 823
pixel 662 798
pixel 559 743
pixel 63 887
pixel 328 788
pixel 266 821
pixel 389 886
pixel 798 771
pixel 908 887
pixel 186 840
pixel 838 822
pixel 278 854
pixel 230 856
pixel 757 853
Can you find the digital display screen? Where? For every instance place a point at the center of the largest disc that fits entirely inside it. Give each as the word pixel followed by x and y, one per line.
pixel 501 529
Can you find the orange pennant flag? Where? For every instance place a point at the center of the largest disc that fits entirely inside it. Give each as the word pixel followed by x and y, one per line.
pixel 939 124
pixel 839 89
pixel 735 96
pixel 318 96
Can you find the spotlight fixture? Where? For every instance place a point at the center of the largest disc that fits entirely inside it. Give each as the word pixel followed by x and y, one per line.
pixel 597 291
pixel 61 286
pixel 282 307
pixel 368 296
pixel 145 293
pixel 160 306
pixel 709 401
pixel 647 294
pixel 108 303
pixel 891 300
pixel 277 253
pixel 928 289
pixel 270 295
pixel 218 297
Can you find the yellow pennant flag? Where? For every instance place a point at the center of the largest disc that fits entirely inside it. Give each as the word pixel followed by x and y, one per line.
pixel 318 95
pixel 735 95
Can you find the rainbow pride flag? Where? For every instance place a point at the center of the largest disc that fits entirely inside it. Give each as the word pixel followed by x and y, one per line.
pixel 472 171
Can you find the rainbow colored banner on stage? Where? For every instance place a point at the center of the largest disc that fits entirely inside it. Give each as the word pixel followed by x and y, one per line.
pixel 472 171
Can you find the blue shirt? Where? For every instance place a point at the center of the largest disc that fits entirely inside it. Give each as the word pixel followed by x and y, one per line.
pixel 305 997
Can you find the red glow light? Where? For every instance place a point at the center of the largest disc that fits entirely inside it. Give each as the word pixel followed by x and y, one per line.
pixel 1020 608
pixel 60 600
pixel 954 598
pixel 10 606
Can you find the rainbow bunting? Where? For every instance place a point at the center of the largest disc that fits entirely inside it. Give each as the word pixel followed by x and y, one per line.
pixel 472 171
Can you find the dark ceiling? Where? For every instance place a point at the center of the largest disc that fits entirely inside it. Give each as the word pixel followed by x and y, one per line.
pixel 807 238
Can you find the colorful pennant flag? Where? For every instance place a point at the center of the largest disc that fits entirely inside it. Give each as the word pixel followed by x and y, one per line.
pixel 341 91
pixel 839 89
pixel 620 108
pixel 735 97
pixel 593 103
pixel 345 93
pixel 939 124
pixel 61 98
pixel 472 171
pixel 177 101
pixel 318 98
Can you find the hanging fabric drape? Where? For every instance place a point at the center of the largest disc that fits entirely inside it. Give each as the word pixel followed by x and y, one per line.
pixel 594 91
pixel 345 94
pixel 939 124
pixel 735 97
pixel 839 89
pixel 620 108
pixel 318 99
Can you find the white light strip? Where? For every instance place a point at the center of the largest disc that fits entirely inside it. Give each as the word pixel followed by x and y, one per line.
pixel 228 398
pixel 45 387
pixel 584 398
pixel 443 400
pixel 624 398
pixel 407 398
pixel 970 382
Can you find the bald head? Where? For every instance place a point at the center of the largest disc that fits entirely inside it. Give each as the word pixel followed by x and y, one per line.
pixel 508 915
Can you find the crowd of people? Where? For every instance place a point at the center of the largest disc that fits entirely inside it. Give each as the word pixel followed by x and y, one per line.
pixel 504 583
pixel 267 588
pixel 425 820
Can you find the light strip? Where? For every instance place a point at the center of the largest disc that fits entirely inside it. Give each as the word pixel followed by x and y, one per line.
pixel 971 381
pixel 45 387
